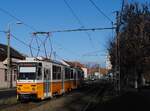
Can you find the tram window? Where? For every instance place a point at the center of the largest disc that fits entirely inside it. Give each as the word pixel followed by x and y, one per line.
pixel 40 64
pixel 71 74
pixel 56 72
pixel 46 74
pixel 59 75
pixel 39 74
pixel 79 74
pixel 75 75
pixel 67 73
pixel 26 76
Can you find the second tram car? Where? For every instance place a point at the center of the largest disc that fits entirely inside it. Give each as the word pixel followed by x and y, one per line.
pixel 40 79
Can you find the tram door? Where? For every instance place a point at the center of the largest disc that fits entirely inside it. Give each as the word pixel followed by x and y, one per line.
pixel 63 79
pixel 75 79
pixel 46 82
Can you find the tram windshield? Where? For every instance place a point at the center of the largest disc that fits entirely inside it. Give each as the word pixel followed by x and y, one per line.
pixel 27 73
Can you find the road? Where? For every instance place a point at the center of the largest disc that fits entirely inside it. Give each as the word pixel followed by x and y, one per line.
pixel 7 93
pixel 78 100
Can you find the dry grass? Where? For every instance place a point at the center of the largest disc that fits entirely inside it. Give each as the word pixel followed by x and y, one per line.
pixel 8 101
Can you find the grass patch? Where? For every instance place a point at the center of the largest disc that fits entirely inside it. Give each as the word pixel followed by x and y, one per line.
pixel 8 101
pixel 107 98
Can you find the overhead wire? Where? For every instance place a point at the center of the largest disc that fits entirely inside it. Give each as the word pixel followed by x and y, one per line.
pixel 68 50
pixel 16 18
pixel 2 31
pixel 37 46
pixel 24 43
pixel 44 42
pixel 50 41
pixel 25 24
pixel 79 21
pixel 27 45
pixel 73 13
pixel 30 47
pixel 100 11
pixel 32 28
pixel 82 29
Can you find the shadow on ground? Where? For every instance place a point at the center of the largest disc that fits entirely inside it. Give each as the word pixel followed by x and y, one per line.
pixel 130 101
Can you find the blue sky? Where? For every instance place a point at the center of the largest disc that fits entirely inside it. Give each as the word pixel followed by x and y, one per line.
pixel 48 15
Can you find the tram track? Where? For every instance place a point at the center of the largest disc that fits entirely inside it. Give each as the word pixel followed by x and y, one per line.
pixel 28 105
pixel 77 100
pixel 80 102
pixel 95 99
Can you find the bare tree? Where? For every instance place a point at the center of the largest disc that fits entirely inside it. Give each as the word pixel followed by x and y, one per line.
pixel 134 43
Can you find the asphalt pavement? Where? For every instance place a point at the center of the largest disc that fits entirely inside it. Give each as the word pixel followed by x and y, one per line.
pixel 6 93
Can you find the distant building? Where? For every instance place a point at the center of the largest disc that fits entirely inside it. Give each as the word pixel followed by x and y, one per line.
pixel 108 63
pixel 97 72
pixel 76 64
pixel 15 56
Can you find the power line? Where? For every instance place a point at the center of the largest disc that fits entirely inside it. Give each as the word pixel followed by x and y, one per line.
pixel 27 25
pixel 73 13
pixel 78 29
pixel 71 30
pixel 93 52
pixel 78 20
pixel 51 46
pixel 16 18
pixel 66 49
pixel 2 31
pixel 83 29
pixel 24 43
pixel 28 45
pixel 43 42
pixel 100 11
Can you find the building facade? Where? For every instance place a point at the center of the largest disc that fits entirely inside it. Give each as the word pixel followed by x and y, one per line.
pixel 108 63
pixel 4 77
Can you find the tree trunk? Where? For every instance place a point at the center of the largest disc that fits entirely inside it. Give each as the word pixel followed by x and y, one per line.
pixel 135 84
pixel 139 81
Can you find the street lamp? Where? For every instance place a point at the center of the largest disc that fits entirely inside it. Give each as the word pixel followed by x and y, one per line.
pixel 9 73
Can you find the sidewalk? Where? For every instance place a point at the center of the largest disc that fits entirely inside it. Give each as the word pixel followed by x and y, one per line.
pixel 7 89
pixel 7 92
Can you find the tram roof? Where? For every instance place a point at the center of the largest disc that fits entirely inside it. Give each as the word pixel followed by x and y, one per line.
pixel 39 59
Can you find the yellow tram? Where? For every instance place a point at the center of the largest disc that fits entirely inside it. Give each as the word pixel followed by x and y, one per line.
pixel 40 79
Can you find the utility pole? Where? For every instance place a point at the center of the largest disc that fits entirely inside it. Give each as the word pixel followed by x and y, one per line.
pixel 117 68
pixel 118 20
pixel 9 70
pixel 99 70
pixel 9 74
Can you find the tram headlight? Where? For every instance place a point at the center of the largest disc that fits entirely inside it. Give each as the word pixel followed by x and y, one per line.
pixel 19 88
pixel 33 89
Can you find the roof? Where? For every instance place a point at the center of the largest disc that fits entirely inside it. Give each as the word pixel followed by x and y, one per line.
pixel 13 53
pixel 101 70
pixel 74 64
